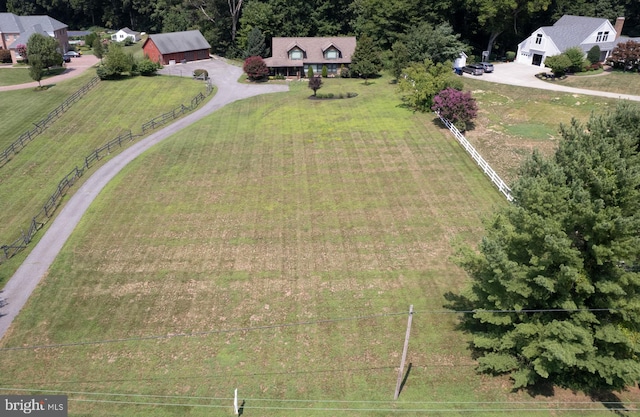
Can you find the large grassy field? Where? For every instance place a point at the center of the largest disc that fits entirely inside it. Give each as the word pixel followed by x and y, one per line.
pixel 108 110
pixel 275 247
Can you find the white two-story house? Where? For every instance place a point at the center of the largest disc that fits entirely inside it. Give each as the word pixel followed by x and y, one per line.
pixel 567 32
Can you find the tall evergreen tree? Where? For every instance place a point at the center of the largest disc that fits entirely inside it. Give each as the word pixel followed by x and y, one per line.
pixel 256 45
pixel 556 282
pixel 365 61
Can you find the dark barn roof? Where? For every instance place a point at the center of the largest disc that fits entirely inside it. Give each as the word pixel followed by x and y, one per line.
pixel 168 43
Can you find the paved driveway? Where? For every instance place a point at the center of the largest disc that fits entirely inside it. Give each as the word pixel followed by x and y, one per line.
pixel 17 291
pixel 523 75
pixel 76 67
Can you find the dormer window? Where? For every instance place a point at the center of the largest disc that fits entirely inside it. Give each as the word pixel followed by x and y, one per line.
pixel 332 54
pixel 296 54
pixel 602 36
pixel 539 39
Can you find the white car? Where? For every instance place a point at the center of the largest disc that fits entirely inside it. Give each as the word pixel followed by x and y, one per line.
pixel 72 54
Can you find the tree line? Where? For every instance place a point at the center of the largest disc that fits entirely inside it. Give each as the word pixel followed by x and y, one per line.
pixel 495 25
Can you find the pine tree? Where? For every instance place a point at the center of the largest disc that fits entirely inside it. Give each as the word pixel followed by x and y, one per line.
pixel 556 282
pixel 256 45
pixel 365 61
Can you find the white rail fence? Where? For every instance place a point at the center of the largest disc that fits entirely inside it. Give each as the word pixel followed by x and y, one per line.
pixel 484 165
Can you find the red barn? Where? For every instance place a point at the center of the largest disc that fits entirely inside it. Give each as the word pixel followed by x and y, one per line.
pixel 176 47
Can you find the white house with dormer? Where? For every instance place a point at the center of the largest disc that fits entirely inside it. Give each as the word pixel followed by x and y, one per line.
pixel 124 34
pixel 567 32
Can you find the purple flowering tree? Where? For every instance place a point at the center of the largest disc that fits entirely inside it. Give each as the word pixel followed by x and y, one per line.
pixel 456 106
pixel 22 51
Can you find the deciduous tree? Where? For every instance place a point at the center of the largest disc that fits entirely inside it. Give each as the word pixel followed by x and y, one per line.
pixel 45 49
pixel 36 69
pixel 626 55
pixel 555 281
pixel 424 80
pixel 315 83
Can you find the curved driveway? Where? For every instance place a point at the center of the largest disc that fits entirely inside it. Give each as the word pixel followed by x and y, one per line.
pixel 17 291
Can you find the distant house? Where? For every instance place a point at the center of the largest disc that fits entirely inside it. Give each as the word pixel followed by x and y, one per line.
pixel 567 32
pixel 294 56
pixel 124 34
pixel 169 48
pixel 16 30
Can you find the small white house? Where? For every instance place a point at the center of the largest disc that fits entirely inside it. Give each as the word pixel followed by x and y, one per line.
pixel 124 33
pixel 567 32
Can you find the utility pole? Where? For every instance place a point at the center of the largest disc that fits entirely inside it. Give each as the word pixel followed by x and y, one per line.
pixel 404 353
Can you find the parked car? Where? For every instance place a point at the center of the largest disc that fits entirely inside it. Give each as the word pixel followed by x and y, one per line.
pixel 72 54
pixel 66 58
pixel 487 66
pixel 473 69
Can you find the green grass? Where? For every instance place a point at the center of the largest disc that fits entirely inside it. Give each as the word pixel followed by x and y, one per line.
pixel 20 75
pixel 108 110
pixel 276 209
pixel 613 81
pixel 513 121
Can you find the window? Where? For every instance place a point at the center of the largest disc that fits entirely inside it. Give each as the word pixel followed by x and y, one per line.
pixel 602 36
pixel 296 54
pixel 539 39
pixel 331 54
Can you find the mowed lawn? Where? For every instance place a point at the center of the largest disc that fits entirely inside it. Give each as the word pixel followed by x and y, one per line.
pixel 108 110
pixel 273 247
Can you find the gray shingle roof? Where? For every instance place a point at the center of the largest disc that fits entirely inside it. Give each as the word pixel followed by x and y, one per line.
pixel 190 40
pixel 314 49
pixel 570 31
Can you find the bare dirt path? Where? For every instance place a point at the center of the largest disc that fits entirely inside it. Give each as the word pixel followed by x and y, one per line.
pixel 17 291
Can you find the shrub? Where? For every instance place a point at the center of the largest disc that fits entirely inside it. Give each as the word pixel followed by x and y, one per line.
pixel 201 73
pixel 594 54
pixel 325 71
pixel 147 67
pixel 345 73
pixel 279 77
pixel 576 56
pixel 255 68
pixel 106 73
pixel 558 64
pixel 5 56
pixel 510 55
pixel 456 106
pixel 310 72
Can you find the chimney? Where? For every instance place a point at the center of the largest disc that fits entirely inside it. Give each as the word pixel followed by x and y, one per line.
pixel 618 26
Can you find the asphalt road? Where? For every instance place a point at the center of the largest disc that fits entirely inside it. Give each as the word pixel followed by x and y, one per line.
pixel 17 291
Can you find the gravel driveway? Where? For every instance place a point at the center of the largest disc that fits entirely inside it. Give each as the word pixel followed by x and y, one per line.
pixel 17 291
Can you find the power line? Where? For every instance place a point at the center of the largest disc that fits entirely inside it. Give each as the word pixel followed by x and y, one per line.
pixel 225 375
pixel 322 400
pixel 203 333
pixel 303 323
